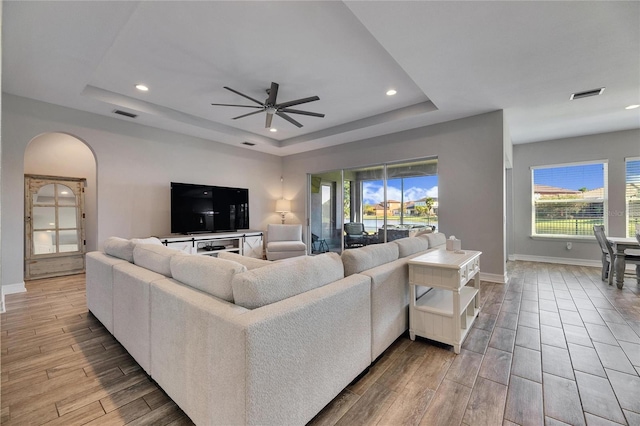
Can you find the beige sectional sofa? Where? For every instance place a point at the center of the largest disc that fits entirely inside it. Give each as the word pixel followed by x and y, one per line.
pixel 235 340
pixel 386 265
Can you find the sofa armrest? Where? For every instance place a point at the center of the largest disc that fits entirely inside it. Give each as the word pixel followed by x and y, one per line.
pixel 99 286
pixel 278 364
pixel 389 303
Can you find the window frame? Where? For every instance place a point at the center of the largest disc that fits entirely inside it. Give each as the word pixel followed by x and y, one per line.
pixel 627 220
pixel 604 200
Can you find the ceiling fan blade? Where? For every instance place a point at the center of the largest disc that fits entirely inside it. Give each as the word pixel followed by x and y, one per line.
pixel 243 95
pixel 297 111
pixel 243 106
pixel 297 102
pixel 289 119
pixel 273 94
pixel 267 124
pixel 246 115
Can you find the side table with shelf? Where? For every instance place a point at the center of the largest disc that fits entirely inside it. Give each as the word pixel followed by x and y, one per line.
pixel 446 312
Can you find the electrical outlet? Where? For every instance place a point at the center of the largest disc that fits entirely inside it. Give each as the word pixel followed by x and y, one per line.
pixel 569 245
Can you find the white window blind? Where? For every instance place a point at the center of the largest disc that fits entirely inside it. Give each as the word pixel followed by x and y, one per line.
pixel 632 194
pixel 568 199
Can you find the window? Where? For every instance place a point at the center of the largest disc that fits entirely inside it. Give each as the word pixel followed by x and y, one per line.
pixel 568 199
pixel 632 195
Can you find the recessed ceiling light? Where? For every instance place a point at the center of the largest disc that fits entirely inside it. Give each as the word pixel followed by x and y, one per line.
pixel 142 87
pixel 64 192
pixel 273 130
pixel 632 107
pixel 391 92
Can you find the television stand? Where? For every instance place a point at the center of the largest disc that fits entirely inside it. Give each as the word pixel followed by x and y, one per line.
pixel 245 242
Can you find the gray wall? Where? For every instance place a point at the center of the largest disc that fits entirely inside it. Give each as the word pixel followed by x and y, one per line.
pixel 614 147
pixel 471 157
pixel 135 165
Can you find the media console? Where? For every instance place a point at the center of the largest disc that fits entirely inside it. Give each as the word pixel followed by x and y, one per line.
pixel 247 243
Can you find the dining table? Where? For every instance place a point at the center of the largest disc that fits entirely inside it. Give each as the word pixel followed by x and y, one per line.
pixel 619 246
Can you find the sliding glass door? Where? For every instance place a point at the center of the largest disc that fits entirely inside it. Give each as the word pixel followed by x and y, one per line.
pixel 369 205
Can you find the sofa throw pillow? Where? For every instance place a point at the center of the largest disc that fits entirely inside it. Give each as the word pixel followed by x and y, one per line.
pixel 281 280
pixel 155 258
pixel 436 239
pixel 363 258
pixel 410 245
pixel 119 247
pixel 249 262
pixel 205 273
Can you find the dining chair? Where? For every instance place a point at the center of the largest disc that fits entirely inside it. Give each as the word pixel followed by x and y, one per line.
pixel 608 256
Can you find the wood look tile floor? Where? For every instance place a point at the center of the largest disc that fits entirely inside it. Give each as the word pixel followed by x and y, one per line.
pixel 554 346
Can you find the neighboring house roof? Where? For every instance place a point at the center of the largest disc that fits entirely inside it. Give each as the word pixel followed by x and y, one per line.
pixel 594 193
pixel 552 190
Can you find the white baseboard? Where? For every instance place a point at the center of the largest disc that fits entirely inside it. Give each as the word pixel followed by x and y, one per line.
pixel 10 289
pixel 563 261
pixel 559 260
pixel 494 278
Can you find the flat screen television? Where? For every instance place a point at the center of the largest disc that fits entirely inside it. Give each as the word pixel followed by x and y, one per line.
pixel 206 208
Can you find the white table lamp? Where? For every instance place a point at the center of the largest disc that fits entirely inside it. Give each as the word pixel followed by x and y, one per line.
pixel 283 207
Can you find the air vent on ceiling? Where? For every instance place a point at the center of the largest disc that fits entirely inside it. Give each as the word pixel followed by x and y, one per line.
pixel 125 113
pixel 586 94
pixel 248 143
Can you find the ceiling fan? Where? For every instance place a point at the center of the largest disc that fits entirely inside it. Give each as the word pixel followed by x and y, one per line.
pixel 271 107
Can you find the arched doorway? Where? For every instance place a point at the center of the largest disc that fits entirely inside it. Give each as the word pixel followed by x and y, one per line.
pixel 60 205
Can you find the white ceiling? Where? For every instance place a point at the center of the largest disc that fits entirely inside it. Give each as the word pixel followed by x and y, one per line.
pixel 447 60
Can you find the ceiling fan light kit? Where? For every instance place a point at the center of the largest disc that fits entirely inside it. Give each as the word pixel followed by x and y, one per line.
pixel 271 107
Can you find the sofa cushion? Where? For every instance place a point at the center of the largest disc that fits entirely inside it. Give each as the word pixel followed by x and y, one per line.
pixel 205 273
pixel 155 258
pixel 410 245
pixel 424 231
pixel 281 280
pixel 120 248
pixel 436 239
pixel 286 246
pixel 249 262
pixel 150 240
pixel 363 258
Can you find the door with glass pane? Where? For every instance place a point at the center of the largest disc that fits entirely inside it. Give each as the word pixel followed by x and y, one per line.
pixel 325 212
pixel 54 226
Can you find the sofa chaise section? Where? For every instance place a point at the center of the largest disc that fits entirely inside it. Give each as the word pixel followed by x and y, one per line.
pixel 279 363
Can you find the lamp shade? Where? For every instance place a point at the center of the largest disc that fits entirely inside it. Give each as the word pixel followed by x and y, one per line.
pixel 283 206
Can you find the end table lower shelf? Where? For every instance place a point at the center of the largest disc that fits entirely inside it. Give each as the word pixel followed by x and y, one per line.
pixel 433 316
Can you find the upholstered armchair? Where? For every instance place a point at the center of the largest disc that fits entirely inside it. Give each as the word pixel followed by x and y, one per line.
pixel 355 235
pixel 284 241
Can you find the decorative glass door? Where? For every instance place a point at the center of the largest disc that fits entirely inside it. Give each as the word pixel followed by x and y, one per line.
pixel 54 226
